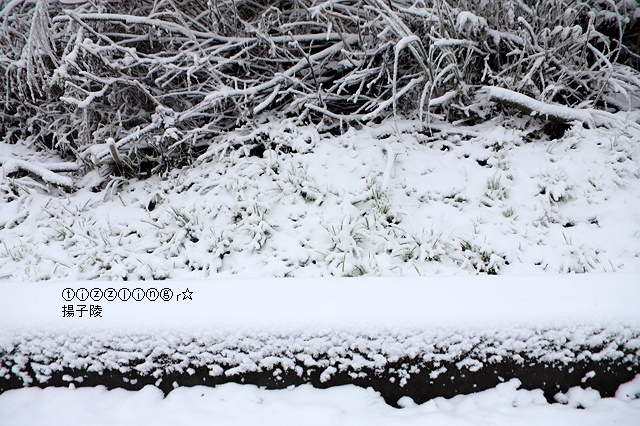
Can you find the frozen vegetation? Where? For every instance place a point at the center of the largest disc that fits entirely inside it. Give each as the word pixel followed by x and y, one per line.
pixel 148 141
pixel 164 140
pixel 390 199
pixel 173 141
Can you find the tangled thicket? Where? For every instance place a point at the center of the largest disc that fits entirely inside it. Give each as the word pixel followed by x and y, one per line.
pixel 157 82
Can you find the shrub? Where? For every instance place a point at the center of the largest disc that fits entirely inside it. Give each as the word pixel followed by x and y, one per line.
pixel 165 79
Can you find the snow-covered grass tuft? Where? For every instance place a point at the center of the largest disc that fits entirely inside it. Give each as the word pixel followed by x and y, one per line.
pixel 384 200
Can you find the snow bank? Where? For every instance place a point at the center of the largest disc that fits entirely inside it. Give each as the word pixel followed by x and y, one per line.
pixel 395 335
pixel 237 405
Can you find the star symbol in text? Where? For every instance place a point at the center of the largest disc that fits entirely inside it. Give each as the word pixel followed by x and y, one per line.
pixel 187 295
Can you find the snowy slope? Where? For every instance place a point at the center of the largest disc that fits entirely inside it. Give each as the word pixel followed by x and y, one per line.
pixel 386 200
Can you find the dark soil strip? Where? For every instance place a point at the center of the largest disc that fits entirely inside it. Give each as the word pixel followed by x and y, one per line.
pixel 421 385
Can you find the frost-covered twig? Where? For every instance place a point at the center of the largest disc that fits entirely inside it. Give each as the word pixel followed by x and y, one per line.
pixel 391 158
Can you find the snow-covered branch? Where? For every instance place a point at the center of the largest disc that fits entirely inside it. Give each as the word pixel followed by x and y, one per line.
pixel 165 80
pixel 47 172
pixel 559 113
pixel 536 108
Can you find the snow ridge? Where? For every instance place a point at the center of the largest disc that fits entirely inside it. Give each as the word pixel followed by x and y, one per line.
pixel 34 357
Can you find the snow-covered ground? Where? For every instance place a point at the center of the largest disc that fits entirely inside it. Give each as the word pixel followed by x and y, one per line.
pixel 231 327
pixel 389 200
pixel 297 305
pixel 238 405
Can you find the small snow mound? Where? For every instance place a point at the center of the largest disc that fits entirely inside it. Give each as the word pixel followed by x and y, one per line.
pixel 630 390
pixel 406 402
pixel 579 398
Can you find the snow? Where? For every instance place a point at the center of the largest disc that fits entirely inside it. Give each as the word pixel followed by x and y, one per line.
pixel 537 107
pixel 264 104
pixel 233 404
pixel 91 96
pixel 468 23
pixel 12 165
pixel 422 217
pixel 483 199
pixel 333 325
pixel 629 391
pixel 298 305
pixel 405 41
